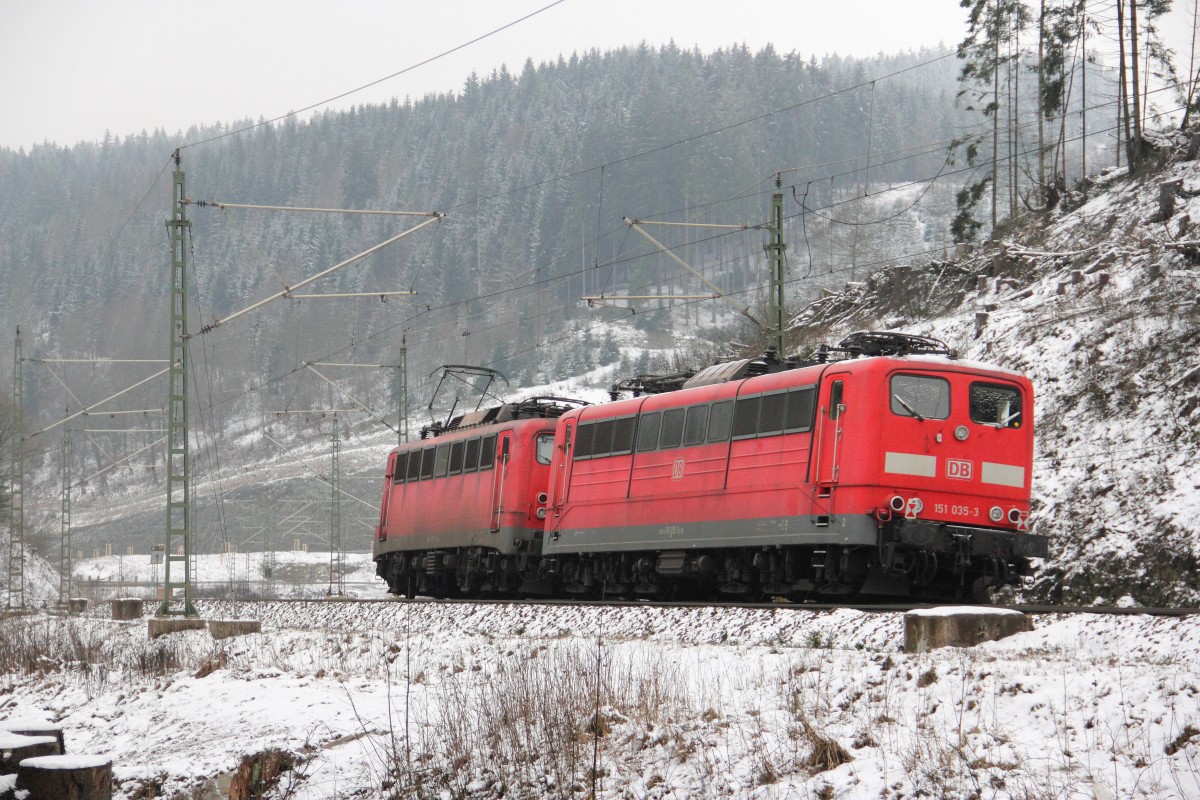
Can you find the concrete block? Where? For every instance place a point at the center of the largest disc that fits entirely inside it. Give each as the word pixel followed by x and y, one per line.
pixel 960 626
pixel 161 626
pixel 128 608
pixel 228 628
pixel 77 605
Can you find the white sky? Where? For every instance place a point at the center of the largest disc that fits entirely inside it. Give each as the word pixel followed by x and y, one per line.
pixel 72 69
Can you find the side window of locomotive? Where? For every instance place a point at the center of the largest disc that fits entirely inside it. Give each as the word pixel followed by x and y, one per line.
pixel 471 458
pixel 414 466
pixel 672 429
pixel 836 400
pixel 719 421
pixel 920 396
pixel 799 416
pixel 441 460
pixel 427 462
pixel 745 417
pixel 399 467
pixel 622 441
pixel 456 457
pixel 544 447
pixel 992 404
pixel 487 452
pixel 770 414
pixel 602 445
pixel 584 438
pixel 648 431
pixel 695 425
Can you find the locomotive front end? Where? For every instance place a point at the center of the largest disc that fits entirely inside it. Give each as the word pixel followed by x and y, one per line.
pixel 953 476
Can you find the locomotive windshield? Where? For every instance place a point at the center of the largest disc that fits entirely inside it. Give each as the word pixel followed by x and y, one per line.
pixel 993 404
pixel 545 447
pixel 920 396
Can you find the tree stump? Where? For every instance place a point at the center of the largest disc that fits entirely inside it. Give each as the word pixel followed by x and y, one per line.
pixel 15 747
pixel 66 778
pixel 35 727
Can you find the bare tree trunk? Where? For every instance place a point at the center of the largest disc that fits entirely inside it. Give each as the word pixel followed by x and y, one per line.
pixel 1041 95
pixel 1193 76
pixel 995 109
pixel 1133 59
pixel 1123 90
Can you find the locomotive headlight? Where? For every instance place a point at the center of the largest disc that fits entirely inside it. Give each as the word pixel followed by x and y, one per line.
pixel 996 514
pixel 542 498
pixel 1014 516
pixel 541 513
pixel 897 503
pixel 961 433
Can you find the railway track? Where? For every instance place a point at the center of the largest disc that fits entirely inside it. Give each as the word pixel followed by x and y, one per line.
pixel 872 608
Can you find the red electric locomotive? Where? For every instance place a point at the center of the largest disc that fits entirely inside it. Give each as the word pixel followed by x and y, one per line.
pixel 906 473
pixel 460 511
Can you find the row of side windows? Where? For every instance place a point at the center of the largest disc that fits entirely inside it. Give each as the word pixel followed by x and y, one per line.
pixel 439 460
pixel 757 415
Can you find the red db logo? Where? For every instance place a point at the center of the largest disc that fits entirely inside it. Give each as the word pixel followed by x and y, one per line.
pixel 958 470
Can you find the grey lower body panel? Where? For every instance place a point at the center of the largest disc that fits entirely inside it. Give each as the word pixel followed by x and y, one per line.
pixel 506 541
pixel 764 532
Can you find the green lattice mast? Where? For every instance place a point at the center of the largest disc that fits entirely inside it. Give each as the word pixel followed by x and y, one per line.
pixel 177 589
pixel 16 497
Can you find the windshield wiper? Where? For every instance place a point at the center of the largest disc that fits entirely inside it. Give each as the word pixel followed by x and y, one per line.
pixel 907 407
pixel 1004 422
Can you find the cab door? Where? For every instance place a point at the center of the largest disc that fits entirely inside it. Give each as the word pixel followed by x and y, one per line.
pixel 831 416
pixel 499 479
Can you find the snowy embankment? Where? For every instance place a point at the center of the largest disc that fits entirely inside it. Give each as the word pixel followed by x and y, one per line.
pixel 456 700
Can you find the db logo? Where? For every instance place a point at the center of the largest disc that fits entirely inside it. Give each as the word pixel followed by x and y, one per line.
pixel 959 470
pixel 677 469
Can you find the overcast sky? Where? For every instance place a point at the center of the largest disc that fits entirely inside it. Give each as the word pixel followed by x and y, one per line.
pixel 72 69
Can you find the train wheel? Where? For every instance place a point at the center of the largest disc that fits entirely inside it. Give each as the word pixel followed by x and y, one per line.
pixel 981 590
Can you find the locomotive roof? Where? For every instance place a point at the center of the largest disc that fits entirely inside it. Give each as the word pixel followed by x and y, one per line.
pixel 530 408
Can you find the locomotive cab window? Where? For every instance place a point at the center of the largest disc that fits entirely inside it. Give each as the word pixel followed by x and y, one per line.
pixel 544 447
pixel 920 396
pixel 602 446
pixel 836 400
pixel 400 468
pixel 994 404
pixel 413 473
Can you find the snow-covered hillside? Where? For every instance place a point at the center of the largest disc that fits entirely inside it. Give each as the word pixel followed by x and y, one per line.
pixel 432 700
pixel 1098 303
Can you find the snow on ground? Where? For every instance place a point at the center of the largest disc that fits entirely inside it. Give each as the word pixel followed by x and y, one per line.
pixel 427 699
pixel 294 573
